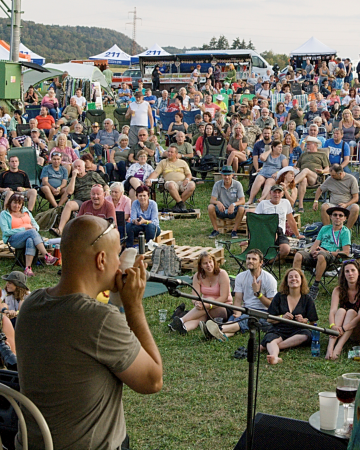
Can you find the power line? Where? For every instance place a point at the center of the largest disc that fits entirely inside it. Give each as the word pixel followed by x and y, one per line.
pixel 135 18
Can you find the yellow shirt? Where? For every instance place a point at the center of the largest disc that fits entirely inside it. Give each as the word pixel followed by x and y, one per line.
pixel 173 171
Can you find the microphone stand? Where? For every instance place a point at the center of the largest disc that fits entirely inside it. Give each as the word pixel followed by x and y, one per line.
pixel 254 324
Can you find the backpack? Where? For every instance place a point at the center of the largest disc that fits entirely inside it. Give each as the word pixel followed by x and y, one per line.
pixel 208 163
pixel 49 219
pixel 165 261
pixel 312 230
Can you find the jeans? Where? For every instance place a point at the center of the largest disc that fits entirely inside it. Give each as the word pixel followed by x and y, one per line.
pixel 121 172
pixel 28 239
pixel 132 230
pixel 243 322
pixel 98 149
pixel 53 112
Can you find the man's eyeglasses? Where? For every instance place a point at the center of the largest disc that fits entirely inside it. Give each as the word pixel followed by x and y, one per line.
pixel 142 135
pixel 338 215
pixel 108 229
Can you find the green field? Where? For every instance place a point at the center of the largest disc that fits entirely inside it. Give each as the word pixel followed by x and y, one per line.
pixel 203 402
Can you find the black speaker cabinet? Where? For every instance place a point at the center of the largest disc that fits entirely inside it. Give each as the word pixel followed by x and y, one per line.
pixel 281 433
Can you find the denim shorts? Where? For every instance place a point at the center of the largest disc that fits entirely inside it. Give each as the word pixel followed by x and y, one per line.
pixel 223 215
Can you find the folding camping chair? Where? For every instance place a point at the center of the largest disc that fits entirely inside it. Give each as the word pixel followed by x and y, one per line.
pixel 214 149
pixel 95 115
pixel 262 233
pixel 31 111
pixel 121 224
pixel 119 118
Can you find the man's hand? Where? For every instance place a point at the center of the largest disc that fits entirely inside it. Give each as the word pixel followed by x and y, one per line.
pixel 132 291
pixel 185 182
pixel 343 205
pixel 236 314
pixel 10 313
pixel 220 206
pixel 75 172
pixel 231 208
pixel 256 285
pixel 20 189
pixel 315 206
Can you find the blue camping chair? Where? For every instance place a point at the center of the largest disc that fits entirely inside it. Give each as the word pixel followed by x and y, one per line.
pixel 31 112
pixel 189 116
pixel 166 119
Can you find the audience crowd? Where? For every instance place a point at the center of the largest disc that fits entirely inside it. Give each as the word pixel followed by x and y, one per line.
pixel 285 143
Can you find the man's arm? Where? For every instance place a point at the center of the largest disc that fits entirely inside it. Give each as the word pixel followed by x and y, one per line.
pixel 291 221
pixel 256 162
pixel 71 186
pixel 151 119
pixel 318 194
pixel 238 301
pixel 354 199
pixel 145 374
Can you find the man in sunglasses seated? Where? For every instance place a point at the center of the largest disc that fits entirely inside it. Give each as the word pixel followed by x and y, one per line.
pixel 79 186
pixel 333 240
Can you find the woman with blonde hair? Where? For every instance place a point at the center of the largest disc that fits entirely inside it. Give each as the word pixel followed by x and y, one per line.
pixel 348 125
pixel 237 147
pixel 278 134
pixel 214 284
pixel 292 302
pixel 231 74
pixel 68 156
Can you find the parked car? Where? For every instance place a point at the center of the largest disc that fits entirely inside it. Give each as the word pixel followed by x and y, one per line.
pixel 130 77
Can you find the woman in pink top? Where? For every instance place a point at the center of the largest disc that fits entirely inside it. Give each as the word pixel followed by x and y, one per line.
pixel 121 203
pixel 214 284
pixel 68 156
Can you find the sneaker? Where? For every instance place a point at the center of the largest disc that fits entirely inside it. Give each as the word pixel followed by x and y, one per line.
pixel 28 272
pixel 331 273
pixel 177 325
pixel 50 260
pixel 204 330
pixel 179 208
pixel 314 291
pixel 214 330
pixel 233 235
pixel 213 234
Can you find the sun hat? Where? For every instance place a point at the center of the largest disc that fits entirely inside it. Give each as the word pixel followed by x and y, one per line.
pixel 346 212
pixel 287 169
pixel 220 97
pixel 17 278
pixel 313 139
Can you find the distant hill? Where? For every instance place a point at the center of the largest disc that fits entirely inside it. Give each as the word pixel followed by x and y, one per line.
pixel 62 43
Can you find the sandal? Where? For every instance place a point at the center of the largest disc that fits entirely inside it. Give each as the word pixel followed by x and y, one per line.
pixel 301 210
pixel 55 232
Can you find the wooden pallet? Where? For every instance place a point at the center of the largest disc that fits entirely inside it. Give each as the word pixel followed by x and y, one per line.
pixel 189 215
pixel 166 237
pixel 189 255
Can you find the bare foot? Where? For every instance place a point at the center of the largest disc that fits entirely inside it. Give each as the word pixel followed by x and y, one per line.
pixel 335 356
pixel 271 359
pixel 329 354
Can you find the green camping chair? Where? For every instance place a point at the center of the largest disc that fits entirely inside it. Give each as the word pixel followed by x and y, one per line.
pixel 28 163
pixel 262 230
pixel 95 115
pixel 119 118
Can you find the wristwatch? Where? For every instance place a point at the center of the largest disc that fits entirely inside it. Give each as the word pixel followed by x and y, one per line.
pixel 257 293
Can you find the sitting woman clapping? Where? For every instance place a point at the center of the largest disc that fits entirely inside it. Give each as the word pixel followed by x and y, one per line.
pixel 214 284
pixel 344 314
pixel 292 302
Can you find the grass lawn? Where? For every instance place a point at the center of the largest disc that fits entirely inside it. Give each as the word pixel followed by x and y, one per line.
pixel 203 402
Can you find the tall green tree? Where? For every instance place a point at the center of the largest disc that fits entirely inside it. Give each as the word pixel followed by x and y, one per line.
pixel 222 43
pixel 250 45
pixel 236 44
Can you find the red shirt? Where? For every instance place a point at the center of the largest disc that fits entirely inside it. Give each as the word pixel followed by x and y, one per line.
pixel 107 211
pixel 45 123
pixel 212 109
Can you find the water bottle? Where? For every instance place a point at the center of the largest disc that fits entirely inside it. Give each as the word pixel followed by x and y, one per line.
pixel 141 239
pixel 315 343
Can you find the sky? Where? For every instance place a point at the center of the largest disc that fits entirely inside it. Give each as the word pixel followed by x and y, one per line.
pixel 277 25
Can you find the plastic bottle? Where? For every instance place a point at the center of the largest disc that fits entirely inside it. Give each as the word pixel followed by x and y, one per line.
pixel 315 343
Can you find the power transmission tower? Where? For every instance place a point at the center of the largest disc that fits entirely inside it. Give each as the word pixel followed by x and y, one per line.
pixel 133 23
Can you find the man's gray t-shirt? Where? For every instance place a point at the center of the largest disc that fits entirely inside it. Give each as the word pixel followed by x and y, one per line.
pixel 109 139
pixel 227 196
pixel 69 349
pixel 341 191
pixel 282 210
pixel 243 284
pixel 185 148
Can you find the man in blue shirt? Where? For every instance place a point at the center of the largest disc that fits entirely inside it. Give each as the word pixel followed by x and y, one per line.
pixel 339 151
pixel 124 94
pixel 54 179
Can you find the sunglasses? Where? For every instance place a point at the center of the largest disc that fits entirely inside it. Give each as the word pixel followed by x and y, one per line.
pixel 108 229
pixel 338 215
pixel 348 261
pixel 97 185
pixel 57 154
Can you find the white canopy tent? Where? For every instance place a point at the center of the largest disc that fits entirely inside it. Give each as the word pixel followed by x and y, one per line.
pixel 114 56
pixel 155 50
pixel 313 47
pixel 5 53
pixel 92 73
pixel 35 58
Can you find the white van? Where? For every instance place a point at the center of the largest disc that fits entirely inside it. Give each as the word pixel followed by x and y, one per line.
pixel 258 63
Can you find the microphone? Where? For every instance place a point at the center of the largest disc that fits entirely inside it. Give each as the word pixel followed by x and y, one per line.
pixel 167 281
